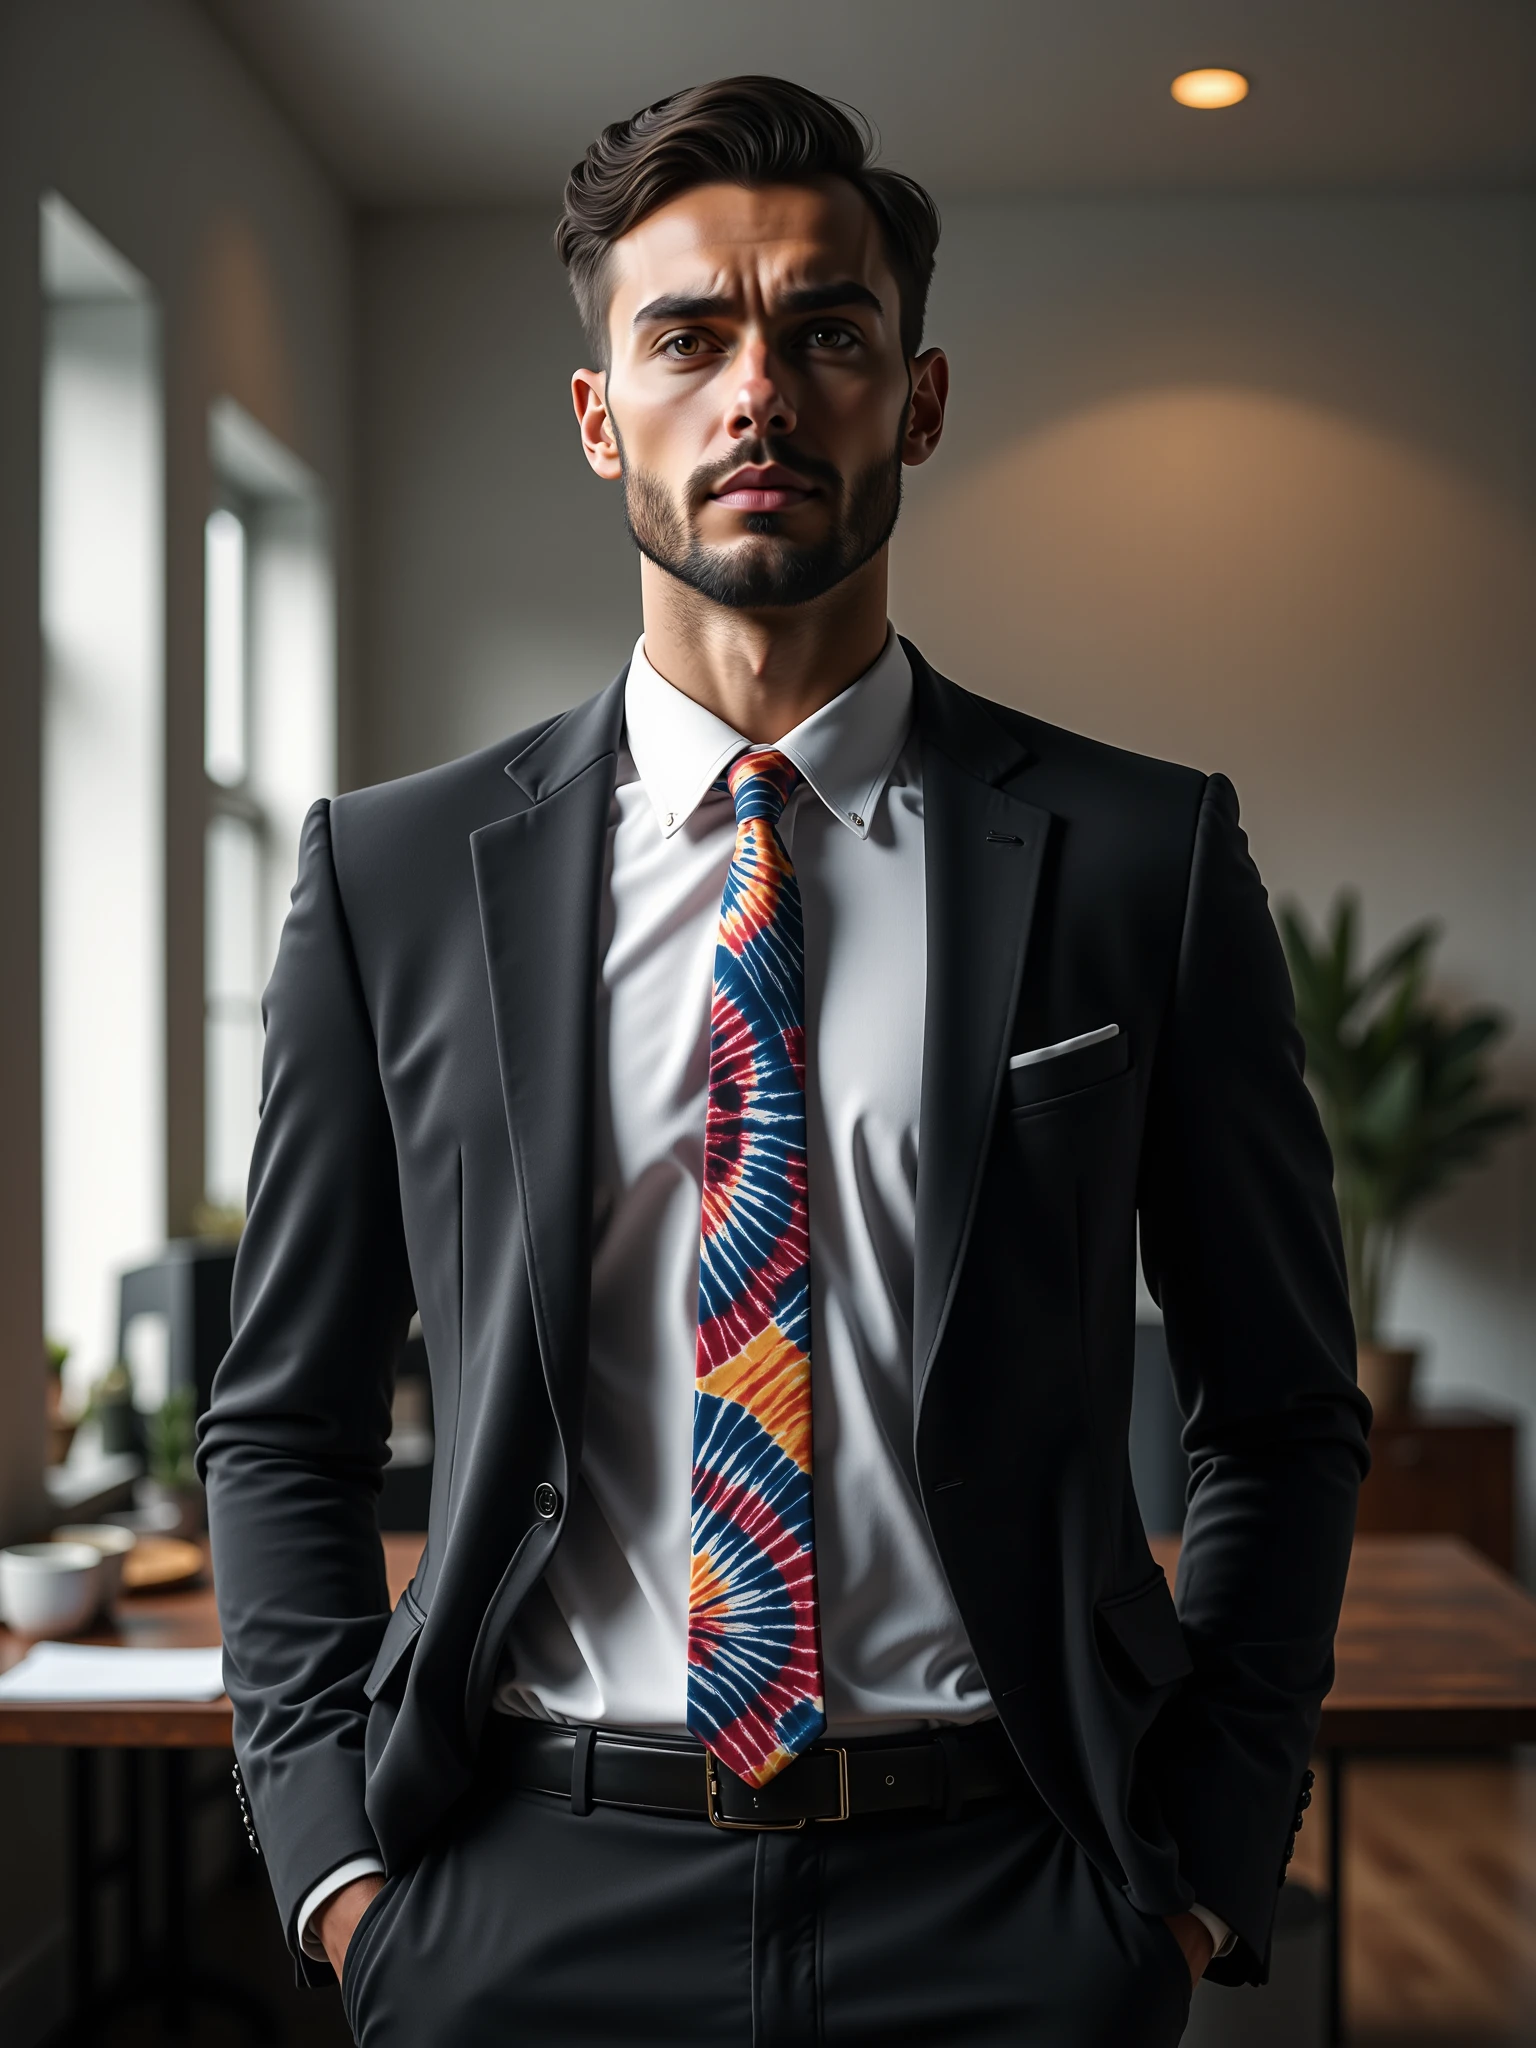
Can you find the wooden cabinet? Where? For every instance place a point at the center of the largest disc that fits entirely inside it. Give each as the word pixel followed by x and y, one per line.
pixel 1444 1472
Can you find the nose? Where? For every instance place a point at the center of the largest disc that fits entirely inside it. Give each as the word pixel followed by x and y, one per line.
pixel 759 405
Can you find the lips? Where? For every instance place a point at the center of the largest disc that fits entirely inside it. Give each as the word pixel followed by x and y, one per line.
pixel 772 489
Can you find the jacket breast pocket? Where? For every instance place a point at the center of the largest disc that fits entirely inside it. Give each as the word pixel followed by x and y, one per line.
pixel 1068 1073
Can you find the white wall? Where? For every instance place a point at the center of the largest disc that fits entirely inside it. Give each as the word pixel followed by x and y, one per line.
pixel 499 583
pixel 1247 483
pixel 1250 484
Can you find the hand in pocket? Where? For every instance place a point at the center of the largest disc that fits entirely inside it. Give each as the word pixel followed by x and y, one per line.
pixel 338 1917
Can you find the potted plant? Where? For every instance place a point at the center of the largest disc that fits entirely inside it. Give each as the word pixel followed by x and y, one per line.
pixel 171 1437
pixel 61 1428
pixel 1404 1091
pixel 111 1408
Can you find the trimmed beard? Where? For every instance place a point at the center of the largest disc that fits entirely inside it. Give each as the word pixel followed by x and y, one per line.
pixel 748 576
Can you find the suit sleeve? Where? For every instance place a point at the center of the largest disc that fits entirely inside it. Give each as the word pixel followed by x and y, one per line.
pixel 1241 1245
pixel 293 1446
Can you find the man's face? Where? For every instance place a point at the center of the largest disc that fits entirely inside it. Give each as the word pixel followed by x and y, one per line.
pixel 757 399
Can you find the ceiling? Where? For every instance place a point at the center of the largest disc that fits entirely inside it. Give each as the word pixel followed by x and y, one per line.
pixel 475 101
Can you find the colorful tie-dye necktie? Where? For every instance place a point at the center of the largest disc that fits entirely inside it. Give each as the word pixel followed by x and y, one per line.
pixel 754 1654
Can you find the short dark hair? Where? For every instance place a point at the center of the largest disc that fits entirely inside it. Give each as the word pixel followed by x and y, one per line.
pixel 737 131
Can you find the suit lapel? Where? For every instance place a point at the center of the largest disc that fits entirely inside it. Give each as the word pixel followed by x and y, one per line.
pixel 538 878
pixel 983 854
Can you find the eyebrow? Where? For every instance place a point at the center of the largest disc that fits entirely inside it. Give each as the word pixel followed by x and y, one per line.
pixel 810 298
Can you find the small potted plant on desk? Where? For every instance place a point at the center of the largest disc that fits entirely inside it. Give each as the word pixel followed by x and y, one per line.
pixel 112 1410
pixel 61 1427
pixel 172 1483
pixel 1405 1096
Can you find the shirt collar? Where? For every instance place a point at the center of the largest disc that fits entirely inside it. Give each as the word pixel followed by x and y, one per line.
pixel 845 750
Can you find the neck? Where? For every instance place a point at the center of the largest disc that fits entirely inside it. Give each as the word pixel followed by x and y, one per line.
pixel 762 672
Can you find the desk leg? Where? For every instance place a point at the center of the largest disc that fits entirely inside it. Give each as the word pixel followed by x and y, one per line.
pixel 171 1975
pixel 1335 1898
pixel 82 1886
pixel 178 1843
pixel 133 1873
pixel 182 1982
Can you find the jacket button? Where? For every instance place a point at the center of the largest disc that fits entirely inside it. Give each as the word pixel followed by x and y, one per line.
pixel 546 1501
pixel 245 1811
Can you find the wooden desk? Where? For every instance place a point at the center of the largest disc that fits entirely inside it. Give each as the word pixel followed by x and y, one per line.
pixel 185 1620
pixel 170 1621
pixel 1436 1650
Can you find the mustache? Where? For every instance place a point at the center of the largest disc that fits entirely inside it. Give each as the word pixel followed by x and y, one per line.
pixel 758 454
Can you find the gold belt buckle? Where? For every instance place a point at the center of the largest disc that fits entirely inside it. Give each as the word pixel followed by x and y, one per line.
pixel 773 1827
pixel 838 1750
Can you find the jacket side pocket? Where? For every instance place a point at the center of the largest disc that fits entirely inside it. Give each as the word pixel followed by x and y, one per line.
pixel 400 1635
pixel 1145 1625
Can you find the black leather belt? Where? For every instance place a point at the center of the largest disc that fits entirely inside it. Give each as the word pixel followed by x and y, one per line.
pixel 941 1773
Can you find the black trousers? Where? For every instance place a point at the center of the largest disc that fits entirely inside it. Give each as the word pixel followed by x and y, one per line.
pixel 532 1927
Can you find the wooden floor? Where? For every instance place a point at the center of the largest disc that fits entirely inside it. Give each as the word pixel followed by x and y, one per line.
pixel 1440 1901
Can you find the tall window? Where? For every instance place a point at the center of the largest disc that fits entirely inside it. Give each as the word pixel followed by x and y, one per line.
pixel 269 749
pixel 226 694
pixel 103 812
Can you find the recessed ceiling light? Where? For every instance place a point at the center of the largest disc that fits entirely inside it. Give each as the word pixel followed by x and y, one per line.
pixel 1209 88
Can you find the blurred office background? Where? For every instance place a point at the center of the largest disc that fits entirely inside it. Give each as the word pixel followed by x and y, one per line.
pixel 1240 469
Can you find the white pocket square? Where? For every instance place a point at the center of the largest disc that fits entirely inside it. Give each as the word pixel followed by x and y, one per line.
pixel 1052 1052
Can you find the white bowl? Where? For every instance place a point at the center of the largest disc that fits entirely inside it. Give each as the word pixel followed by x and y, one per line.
pixel 49 1588
pixel 111 1542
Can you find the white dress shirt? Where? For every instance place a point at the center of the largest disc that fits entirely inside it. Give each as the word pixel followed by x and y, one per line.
pixel 603 1638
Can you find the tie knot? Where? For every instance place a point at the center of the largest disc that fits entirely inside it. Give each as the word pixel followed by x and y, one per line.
pixel 761 783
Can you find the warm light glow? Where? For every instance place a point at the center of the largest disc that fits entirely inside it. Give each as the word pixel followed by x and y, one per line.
pixel 1209 88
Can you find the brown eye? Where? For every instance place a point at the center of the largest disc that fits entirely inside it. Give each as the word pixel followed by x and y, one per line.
pixel 831 337
pixel 687 346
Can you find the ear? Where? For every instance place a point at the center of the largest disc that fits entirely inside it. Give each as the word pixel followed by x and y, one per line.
pixel 599 443
pixel 925 412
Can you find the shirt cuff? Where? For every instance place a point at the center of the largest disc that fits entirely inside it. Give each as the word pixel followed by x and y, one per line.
pixel 1223 1940
pixel 327 1888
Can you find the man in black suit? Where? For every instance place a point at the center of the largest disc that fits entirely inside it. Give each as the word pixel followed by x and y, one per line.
pixel 1032 997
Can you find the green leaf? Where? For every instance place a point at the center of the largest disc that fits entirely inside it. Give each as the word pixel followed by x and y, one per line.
pixel 1387 1110
pixel 1404 962
pixel 1402 1084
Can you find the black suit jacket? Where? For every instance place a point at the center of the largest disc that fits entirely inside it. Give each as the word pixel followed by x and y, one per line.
pixel 426 1143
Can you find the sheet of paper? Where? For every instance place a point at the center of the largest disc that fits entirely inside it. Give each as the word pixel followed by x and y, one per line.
pixel 90 1671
